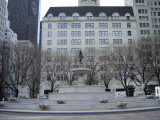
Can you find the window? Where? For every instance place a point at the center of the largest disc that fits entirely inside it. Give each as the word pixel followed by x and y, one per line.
pixel 142 11
pixel 49 42
pixel 129 33
pixel 128 25
pixel 49 34
pixel 75 50
pixel 62 33
pixel 89 41
pixel 50 18
pixel 102 17
pixel 90 58
pixel 76 25
pixel 128 17
pixel 62 17
pixel 62 50
pixel 117 41
pixel 103 33
pixel 103 25
pixel 49 50
pixel 155 32
pixel 146 25
pixel 90 50
pixel 115 17
pixel 76 42
pixel 103 41
pixel 62 25
pixel 89 17
pixel 129 41
pixel 89 25
pixel 143 18
pixel 104 49
pixel 89 33
pixel 145 32
pixel 155 3
pixel 116 25
pixel 75 33
pixel 117 33
pixel 62 42
pixel 49 26
pixel 139 1
pixel 75 17
pixel 117 49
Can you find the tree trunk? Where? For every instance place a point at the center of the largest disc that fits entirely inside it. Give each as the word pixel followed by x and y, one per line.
pixel 126 89
pixel 106 85
pixel 1 93
pixel 16 93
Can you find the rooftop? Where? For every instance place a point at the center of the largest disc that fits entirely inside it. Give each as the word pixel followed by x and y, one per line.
pixel 95 10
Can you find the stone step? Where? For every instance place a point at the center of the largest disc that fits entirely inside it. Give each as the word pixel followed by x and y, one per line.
pixel 81 106
pixel 81 96
pixel 81 89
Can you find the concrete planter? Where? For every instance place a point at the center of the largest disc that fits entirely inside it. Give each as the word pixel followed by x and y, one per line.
pixel 60 102
pixel 103 101
pixel 121 104
pixel 44 106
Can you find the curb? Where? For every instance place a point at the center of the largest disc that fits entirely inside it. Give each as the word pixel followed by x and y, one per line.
pixel 81 112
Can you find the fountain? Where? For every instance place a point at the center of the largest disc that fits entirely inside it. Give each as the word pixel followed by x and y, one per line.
pixel 81 91
pixel 81 71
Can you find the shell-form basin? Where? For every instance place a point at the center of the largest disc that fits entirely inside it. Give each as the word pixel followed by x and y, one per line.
pixel 81 71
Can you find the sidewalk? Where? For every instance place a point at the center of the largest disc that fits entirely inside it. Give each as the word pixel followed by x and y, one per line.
pixel 81 112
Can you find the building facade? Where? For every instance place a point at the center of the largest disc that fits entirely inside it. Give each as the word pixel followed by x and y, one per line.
pixel 147 13
pixel 6 33
pixel 3 18
pixel 24 18
pixel 87 28
pixel 70 29
pixel 88 3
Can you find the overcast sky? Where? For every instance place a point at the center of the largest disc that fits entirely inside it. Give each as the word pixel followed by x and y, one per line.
pixel 46 4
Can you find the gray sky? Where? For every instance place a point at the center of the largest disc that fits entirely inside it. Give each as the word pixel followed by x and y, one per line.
pixel 46 4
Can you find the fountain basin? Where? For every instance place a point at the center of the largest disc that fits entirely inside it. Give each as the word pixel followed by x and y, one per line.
pixel 81 71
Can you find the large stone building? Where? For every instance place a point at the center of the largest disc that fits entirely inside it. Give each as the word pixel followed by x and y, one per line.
pixel 3 19
pixel 6 34
pixel 147 14
pixel 70 29
pixel 24 18
pixel 87 28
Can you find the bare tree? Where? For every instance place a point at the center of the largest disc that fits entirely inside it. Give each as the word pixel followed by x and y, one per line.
pixel 105 70
pixel 142 59
pixel 5 49
pixel 92 63
pixel 70 78
pixel 122 65
pixel 155 57
pixel 37 63
pixel 20 64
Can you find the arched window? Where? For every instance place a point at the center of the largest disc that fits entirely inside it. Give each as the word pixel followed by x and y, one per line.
pixel 50 16
pixel 89 16
pixel 115 16
pixel 62 16
pixel 75 16
pixel 102 16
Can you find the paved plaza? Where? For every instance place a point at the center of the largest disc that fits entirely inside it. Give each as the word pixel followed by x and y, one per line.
pixel 147 115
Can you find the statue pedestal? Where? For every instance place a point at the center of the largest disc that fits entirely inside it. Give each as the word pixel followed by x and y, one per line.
pixel 81 80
